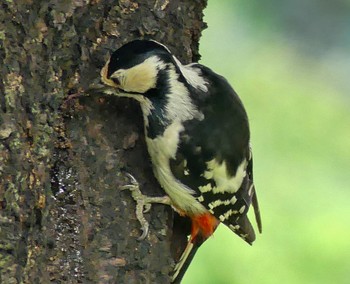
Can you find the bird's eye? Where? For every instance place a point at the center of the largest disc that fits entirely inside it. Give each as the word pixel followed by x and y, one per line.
pixel 116 80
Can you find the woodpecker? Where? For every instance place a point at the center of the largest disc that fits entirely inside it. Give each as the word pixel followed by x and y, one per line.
pixel 198 139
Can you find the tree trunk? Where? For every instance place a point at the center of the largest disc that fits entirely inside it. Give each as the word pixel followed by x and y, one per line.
pixel 63 216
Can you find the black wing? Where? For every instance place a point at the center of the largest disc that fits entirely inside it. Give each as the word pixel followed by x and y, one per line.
pixel 221 139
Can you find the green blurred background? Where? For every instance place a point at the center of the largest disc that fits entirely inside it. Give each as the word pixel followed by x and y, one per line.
pixel 290 63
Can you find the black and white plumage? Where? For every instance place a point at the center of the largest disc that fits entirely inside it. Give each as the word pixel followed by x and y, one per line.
pixel 197 135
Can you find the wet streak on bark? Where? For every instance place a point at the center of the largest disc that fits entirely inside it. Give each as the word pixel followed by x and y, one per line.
pixel 62 217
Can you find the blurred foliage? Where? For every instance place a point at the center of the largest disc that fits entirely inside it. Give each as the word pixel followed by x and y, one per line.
pixel 289 62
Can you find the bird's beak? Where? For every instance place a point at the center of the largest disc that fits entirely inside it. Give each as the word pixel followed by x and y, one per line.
pixel 99 86
pixel 96 86
pixel 103 84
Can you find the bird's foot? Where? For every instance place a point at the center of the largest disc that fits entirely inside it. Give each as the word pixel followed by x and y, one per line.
pixel 143 203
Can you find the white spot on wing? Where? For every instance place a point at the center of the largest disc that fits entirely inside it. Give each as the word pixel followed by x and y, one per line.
pixel 241 210
pixel 227 215
pixel 234 228
pixel 250 191
pixel 233 200
pixel 224 182
pixel 185 163
pixel 198 150
pixel 205 188
pixel 218 202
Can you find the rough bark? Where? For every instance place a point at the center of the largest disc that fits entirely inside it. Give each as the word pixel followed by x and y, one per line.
pixel 62 217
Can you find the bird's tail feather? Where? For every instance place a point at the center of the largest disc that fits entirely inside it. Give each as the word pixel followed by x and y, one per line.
pixel 184 261
pixel 257 211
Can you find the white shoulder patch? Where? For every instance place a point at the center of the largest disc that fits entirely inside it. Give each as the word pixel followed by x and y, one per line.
pixel 192 75
pixel 179 105
pixel 141 77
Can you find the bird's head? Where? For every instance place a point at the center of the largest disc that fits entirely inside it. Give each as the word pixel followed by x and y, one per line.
pixel 134 67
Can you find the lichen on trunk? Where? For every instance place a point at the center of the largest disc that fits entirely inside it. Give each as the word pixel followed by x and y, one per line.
pixel 62 217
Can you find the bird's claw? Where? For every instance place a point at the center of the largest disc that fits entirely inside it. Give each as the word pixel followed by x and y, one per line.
pixel 147 207
pixel 145 230
pixel 143 203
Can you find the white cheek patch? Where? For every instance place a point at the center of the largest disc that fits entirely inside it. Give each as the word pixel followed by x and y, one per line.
pixel 142 77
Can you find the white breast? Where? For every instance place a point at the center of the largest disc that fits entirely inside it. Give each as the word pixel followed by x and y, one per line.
pixel 162 149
